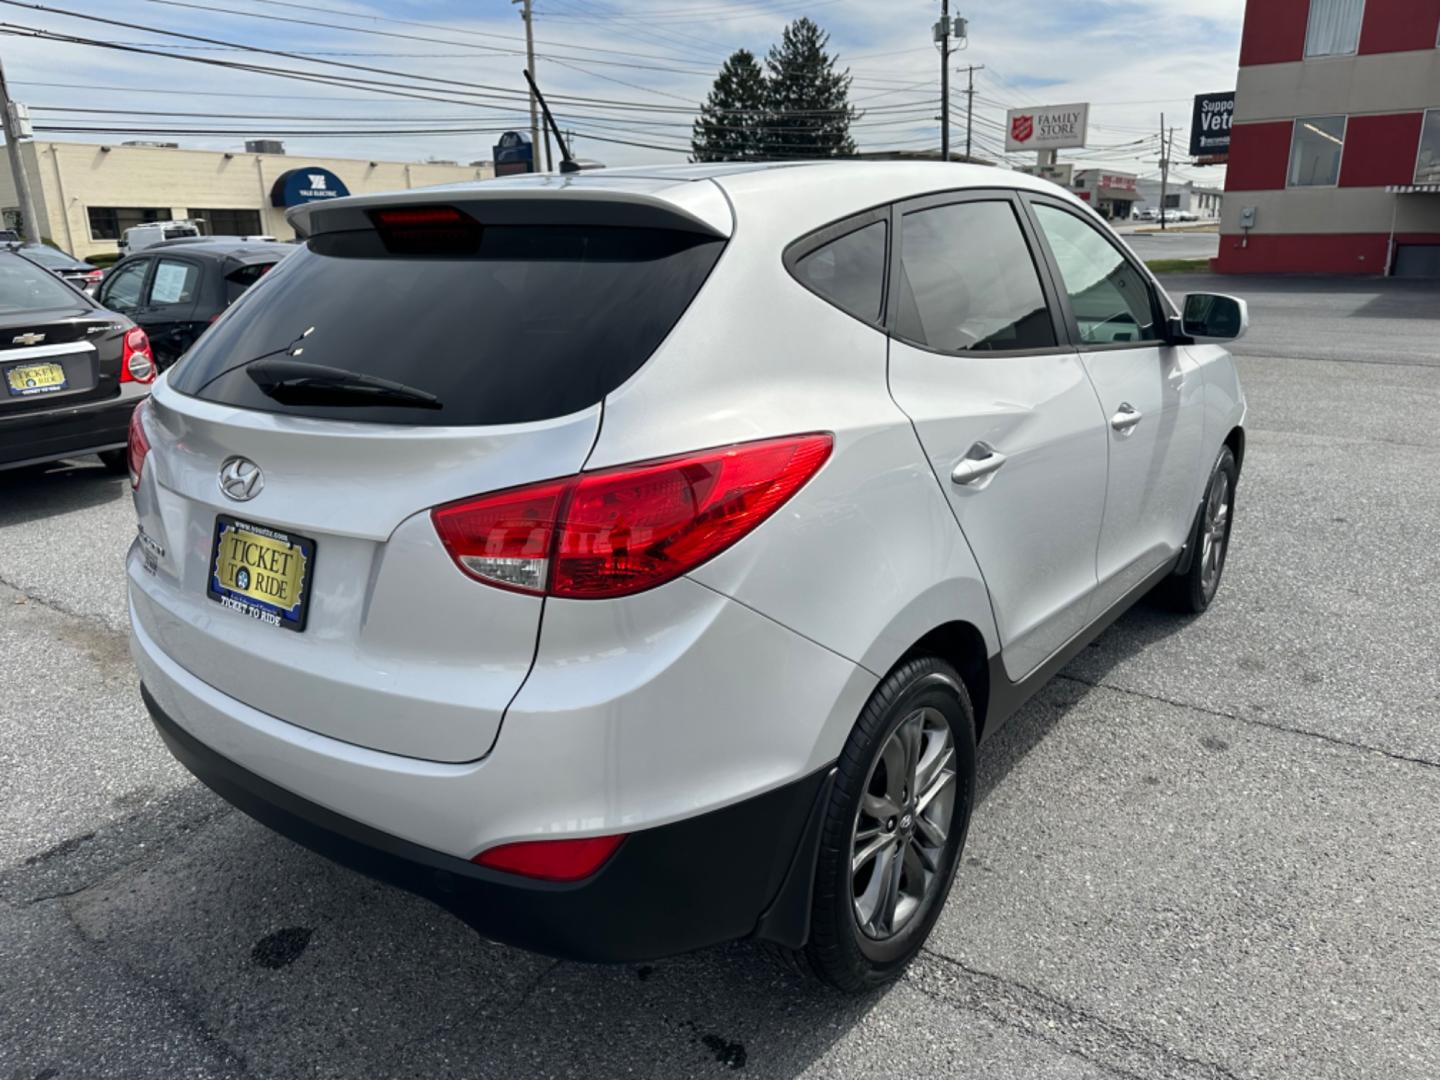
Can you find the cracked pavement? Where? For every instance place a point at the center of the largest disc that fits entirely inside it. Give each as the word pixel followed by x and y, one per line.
pixel 1207 850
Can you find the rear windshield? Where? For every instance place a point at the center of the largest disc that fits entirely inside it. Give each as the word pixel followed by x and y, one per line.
pixel 25 287
pixel 50 258
pixel 542 321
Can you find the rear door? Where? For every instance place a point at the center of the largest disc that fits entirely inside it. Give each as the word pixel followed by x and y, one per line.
pixel 167 307
pixel 1150 392
pixel 1004 411
pixel 352 619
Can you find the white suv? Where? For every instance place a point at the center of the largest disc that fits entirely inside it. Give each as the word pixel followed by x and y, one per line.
pixel 632 562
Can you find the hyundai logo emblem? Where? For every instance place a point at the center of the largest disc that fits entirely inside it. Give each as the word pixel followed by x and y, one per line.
pixel 241 479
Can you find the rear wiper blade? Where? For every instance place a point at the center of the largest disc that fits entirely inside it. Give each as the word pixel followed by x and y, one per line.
pixel 294 382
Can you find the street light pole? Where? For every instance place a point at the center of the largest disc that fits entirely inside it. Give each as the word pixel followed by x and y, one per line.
pixel 29 220
pixel 528 15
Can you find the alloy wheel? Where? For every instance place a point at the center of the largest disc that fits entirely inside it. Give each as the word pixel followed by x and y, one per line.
pixel 905 816
pixel 1216 534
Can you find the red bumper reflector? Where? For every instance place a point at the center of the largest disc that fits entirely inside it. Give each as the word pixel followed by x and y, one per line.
pixel 551 860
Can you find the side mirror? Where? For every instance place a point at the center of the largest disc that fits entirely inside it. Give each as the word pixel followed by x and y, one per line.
pixel 1213 317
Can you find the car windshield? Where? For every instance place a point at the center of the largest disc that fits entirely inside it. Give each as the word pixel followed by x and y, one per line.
pixel 26 287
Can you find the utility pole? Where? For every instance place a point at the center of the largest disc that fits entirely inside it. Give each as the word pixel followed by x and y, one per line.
pixel 528 15
pixel 1164 171
pixel 29 220
pixel 970 106
pixel 942 38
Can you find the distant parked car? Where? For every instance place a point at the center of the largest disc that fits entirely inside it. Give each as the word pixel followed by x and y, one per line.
pixel 71 373
pixel 139 237
pixel 1149 214
pixel 175 290
pixel 77 272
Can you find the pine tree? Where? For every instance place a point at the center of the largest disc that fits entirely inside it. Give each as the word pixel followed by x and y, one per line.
pixel 810 112
pixel 732 119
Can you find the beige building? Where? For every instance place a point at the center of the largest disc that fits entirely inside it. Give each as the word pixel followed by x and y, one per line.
pixel 87 194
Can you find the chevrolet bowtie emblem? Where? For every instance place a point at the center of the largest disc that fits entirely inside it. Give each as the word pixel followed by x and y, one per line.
pixel 27 339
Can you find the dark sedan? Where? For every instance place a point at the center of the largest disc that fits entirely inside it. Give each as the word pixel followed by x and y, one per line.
pixel 175 290
pixel 77 272
pixel 71 373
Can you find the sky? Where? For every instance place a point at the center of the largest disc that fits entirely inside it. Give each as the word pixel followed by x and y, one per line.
pixel 626 76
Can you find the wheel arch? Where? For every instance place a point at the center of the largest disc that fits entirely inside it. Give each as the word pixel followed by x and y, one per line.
pixel 1236 442
pixel 961 645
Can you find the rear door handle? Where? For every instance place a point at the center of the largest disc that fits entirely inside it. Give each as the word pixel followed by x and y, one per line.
pixel 983 460
pixel 1125 420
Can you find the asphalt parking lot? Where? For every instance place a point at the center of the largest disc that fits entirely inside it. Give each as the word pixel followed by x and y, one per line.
pixel 1206 851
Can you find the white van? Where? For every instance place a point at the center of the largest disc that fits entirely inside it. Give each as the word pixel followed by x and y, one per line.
pixel 138 237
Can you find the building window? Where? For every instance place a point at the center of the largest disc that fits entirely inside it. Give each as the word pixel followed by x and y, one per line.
pixel 110 222
pixel 1427 164
pixel 1334 28
pixel 229 222
pixel 1315 151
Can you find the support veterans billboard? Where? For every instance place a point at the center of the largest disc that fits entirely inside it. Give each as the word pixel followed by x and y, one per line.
pixel 1048 127
pixel 1210 125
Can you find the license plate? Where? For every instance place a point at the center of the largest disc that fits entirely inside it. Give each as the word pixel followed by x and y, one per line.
pixel 25 380
pixel 261 572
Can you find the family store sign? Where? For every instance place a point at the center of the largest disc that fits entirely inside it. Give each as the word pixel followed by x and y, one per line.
pixel 1050 127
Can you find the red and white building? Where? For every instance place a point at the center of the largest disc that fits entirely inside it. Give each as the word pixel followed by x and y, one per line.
pixel 1335 150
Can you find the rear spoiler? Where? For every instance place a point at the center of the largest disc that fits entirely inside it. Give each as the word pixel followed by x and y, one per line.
pixel 697 207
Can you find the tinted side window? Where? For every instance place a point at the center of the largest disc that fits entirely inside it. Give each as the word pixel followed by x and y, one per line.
pixel 968 281
pixel 174 282
pixel 122 287
pixel 1110 298
pixel 850 271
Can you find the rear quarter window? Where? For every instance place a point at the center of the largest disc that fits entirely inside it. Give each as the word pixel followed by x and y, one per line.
pixel 539 322
pixel 849 271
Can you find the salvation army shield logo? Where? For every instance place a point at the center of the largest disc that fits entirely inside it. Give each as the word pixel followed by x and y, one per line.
pixel 1022 128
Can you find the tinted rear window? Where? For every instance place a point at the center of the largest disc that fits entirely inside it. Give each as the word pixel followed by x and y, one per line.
pixel 25 287
pixel 543 321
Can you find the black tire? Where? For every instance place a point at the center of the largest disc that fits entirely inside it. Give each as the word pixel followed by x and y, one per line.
pixel 1192 592
pixel 116 461
pixel 840 952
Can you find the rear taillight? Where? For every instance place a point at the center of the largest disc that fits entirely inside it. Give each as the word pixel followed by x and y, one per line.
pixel 139 445
pixel 619 531
pixel 137 363
pixel 551 860
pixel 94 276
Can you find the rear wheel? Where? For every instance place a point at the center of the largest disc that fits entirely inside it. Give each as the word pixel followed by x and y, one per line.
pixel 116 461
pixel 894 827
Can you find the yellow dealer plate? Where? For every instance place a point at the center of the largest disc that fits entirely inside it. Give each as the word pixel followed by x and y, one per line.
pixel 261 572
pixel 27 379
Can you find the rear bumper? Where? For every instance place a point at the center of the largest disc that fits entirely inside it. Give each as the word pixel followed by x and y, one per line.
pixel 731 873
pixel 35 437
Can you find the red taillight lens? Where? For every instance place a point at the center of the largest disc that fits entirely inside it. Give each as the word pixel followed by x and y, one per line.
pixel 551 860
pixel 94 276
pixel 137 363
pixel 139 445
pixel 633 528
pixel 505 539
pixel 620 531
